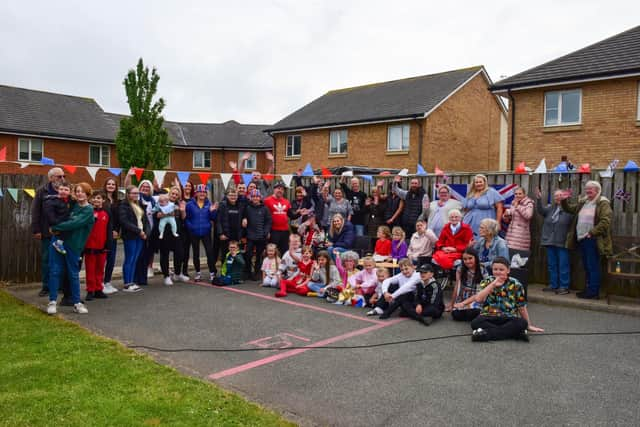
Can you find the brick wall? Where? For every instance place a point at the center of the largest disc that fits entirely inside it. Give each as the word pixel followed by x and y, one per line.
pixel 609 128
pixel 77 154
pixel 468 123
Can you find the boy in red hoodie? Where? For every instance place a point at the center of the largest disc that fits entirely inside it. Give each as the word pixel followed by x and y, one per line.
pixel 95 250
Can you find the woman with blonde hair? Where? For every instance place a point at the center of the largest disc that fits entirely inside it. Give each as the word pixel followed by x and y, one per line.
pixel 482 202
pixel 341 234
pixel 490 246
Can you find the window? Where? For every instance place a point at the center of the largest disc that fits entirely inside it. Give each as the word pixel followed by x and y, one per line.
pixel 398 138
pixel 30 150
pixel 338 142
pixel 202 159
pixel 251 162
pixel 99 155
pixel 293 148
pixel 563 107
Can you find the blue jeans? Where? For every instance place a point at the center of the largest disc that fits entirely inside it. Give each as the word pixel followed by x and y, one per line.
pixel 111 261
pixel 57 264
pixel 359 228
pixel 559 267
pixel 44 265
pixel 132 249
pixel 316 287
pixel 591 262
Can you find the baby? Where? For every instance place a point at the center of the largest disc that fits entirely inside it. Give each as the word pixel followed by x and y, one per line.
pixel 167 208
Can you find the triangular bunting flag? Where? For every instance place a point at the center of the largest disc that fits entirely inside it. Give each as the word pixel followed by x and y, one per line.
pixel 183 177
pixel 204 177
pixel 14 194
pixel 93 170
pixel 3 154
pixel 420 170
pixel 542 167
pixel 562 167
pixel 70 168
pixel 521 168
pixel 225 177
pixel 438 171
pixel 287 179
pixel 631 166
pixel 24 164
pixel 115 171
pixel 347 173
pixel 607 173
pixel 367 178
pixel 268 177
pixel 584 168
pixel 308 170
pixel 31 192
pixel 326 173
pixel 246 178
pixel 47 161
pixel 159 176
pixel 138 172
pixel 403 172
pixel 167 189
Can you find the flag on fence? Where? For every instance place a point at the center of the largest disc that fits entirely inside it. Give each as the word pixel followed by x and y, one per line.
pixel 459 192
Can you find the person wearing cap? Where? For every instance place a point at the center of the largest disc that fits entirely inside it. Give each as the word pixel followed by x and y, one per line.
pixel 200 213
pixel 394 287
pixel 281 212
pixel 257 221
pixel 427 303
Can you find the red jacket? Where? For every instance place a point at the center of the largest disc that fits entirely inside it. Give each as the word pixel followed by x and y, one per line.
pixel 383 247
pixel 460 240
pixel 100 232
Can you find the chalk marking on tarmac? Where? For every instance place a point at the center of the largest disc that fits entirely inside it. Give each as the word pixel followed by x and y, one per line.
pixel 282 340
pixel 285 355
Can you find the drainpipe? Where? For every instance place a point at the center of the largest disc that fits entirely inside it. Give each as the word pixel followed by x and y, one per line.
pixel 273 151
pixel 420 138
pixel 512 107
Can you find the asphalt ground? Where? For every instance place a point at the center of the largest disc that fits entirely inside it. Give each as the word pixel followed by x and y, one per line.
pixel 553 380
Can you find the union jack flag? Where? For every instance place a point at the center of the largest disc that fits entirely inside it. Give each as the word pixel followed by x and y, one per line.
pixel 459 192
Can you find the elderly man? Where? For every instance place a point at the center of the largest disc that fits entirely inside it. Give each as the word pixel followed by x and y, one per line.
pixel 357 199
pixel 415 199
pixel 438 213
pixel 39 224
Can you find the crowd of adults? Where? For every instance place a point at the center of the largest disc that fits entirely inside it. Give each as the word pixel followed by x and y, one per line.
pixel 250 225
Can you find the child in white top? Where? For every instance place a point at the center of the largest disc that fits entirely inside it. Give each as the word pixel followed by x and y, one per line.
pixel 167 208
pixel 270 267
pixel 381 275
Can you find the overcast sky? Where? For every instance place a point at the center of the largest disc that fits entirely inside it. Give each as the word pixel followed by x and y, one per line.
pixel 258 61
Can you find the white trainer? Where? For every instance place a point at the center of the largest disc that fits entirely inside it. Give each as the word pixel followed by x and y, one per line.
pixel 52 308
pixel 183 278
pixel 150 272
pixel 132 287
pixel 168 281
pixel 80 308
pixel 109 289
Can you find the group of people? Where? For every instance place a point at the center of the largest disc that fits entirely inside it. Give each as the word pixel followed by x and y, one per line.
pixel 306 245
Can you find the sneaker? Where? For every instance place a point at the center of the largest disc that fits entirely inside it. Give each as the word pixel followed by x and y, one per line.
pixel 160 236
pixel 168 281
pixel 312 294
pixel 479 335
pixel 109 289
pixel 80 308
pixel 182 278
pixel 523 336
pixel 43 293
pixel 100 295
pixel 132 287
pixel 550 289
pixel 280 294
pixel 150 272
pixel 52 308
pixel 58 245
pixel 212 277
pixel 563 291
pixel 89 296
pixel 198 276
pixel 377 311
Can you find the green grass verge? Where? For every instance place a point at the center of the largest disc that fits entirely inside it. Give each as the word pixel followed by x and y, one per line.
pixel 54 373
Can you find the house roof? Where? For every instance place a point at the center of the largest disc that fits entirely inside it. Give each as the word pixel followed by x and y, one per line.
pixel 50 114
pixel 32 112
pixel 387 101
pixel 616 56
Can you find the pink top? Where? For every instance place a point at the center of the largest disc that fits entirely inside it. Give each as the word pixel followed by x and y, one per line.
pixel 367 281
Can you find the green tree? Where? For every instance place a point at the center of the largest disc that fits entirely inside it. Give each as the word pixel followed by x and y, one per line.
pixel 142 141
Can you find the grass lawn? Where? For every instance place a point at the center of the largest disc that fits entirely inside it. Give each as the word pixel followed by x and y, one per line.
pixel 52 372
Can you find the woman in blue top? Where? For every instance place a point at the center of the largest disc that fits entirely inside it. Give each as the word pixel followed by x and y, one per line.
pixel 489 245
pixel 200 213
pixel 481 202
pixel 341 234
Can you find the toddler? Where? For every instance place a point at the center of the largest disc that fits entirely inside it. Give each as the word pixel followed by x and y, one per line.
pixel 167 208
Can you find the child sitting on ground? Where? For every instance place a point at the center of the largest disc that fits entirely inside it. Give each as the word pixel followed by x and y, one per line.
pixel 270 266
pixel 400 284
pixel 346 263
pixel 233 265
pixel 324 276
pixel 298 283
pixel 58 208
pixel 166 207
pixel 364 282
pixel 381 275
pixel 289 265
pixel 426 304
pixel 382 250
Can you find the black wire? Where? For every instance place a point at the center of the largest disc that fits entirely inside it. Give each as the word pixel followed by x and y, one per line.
pixel 358 347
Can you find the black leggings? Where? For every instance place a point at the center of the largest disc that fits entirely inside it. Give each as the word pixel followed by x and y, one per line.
pixel 208 249
pixel 171 244
pixel 408 305
pixel 186 245
pixel 466 315
pixel 500 328
pixel 259 246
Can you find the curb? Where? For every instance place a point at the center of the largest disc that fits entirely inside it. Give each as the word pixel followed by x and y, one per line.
pixel 629 308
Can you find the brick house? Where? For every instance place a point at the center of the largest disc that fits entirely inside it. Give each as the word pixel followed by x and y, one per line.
pixel 584 105
pixel 429 120
pixel 76 131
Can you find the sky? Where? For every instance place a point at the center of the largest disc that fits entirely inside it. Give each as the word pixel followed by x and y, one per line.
pixel 258 61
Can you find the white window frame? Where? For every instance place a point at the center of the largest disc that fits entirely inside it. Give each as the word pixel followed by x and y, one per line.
pixel 339 134
pixel 204 159
pixel 290 145
pixel 560 122
pixel 30 142
pixel 253 159
pixel 102 153
pixel 402 149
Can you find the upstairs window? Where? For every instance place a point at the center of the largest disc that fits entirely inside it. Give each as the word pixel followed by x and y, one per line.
pixel 294 146
pixel 563 108
pixel 202 159
pixel 398 138
pixel 30 150
pixel 338 142
pixel 99 155
pixel 250 163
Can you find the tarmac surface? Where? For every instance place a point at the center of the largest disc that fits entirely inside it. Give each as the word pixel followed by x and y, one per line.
pixel 553 380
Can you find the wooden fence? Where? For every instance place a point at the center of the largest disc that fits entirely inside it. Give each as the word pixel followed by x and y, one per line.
pixel 20 254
